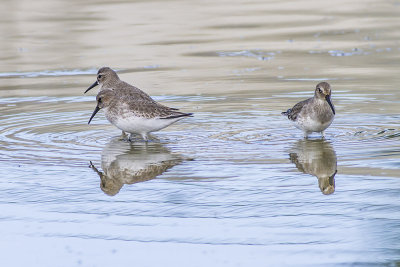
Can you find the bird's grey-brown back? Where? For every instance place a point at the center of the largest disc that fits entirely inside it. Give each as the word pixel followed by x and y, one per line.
pixel 107 78
pixel 293 112
pixel 132 106
pixel 120 105
pixel 314 114
pixel 135 116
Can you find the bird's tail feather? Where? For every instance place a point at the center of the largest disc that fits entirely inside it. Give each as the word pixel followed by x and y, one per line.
pixel 178 115
pixel 287 112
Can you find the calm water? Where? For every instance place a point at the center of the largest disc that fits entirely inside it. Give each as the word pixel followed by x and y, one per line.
pixel 236 185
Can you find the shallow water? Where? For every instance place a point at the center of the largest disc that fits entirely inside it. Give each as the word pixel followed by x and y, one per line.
pixel 234 185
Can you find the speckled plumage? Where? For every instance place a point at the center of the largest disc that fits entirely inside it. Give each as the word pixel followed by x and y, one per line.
pixel 129 108
pixel 314 114
pixel 123 106
pixel 108 79
pixel 135 116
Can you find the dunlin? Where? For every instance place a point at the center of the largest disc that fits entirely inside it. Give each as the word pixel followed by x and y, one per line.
pixel 135 116
pixel 314 114
pixel 108 79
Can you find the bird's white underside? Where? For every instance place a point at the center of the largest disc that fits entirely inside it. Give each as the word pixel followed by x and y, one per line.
pixel 308 125
pixel 141 125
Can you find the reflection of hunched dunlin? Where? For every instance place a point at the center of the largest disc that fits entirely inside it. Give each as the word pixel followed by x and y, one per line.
pixel 314 114
pixel 129 108
pixel 318 158
pixel 126 163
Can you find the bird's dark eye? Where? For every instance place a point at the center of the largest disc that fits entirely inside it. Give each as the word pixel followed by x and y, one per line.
pixel 99 100
pixel 99 76
pixel 319 90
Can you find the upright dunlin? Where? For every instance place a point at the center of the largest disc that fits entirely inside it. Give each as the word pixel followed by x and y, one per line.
pixel 133 115
pixel 314 114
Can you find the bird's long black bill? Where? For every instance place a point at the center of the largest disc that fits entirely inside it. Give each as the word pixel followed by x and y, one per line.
pixel 94 113
pixel 93 85
pixel 328 99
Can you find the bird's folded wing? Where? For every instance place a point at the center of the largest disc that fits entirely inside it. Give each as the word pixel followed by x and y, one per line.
pixel 295 111
pixel 152 109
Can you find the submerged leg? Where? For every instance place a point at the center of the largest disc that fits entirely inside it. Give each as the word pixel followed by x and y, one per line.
pixel 145 137
pixel 305 134
pixel 323 134
pixel 131 137
pixel 124 136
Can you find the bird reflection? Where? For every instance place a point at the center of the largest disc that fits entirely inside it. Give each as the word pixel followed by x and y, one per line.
pixel 129 163
pixel 318 158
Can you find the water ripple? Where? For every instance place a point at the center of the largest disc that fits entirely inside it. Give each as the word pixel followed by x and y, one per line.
pixel 66 72
pixel 256 53
pixel 47 73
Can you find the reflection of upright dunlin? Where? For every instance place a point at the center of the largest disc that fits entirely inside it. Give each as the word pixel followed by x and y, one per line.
pixel 314 114
pixel 318 158
pixel 125 163
pixel 129 108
